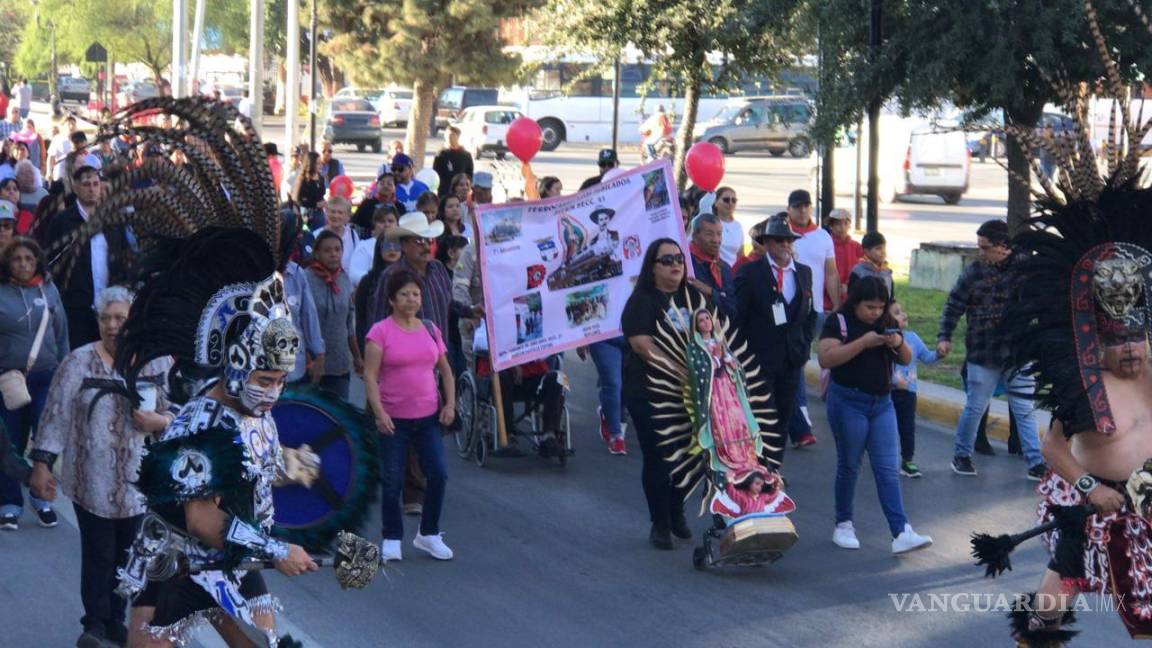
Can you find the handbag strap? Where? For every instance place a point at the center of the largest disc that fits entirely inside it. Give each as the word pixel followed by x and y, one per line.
pixel 36 343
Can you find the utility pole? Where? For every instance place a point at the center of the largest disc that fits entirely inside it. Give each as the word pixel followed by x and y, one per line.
pixel 197 38
pixel 53 80
pixel 179 47
pixel 256 64
pixel 827 195
pixel 292 99
pixel 875 32
pixel 616 103
pixel 312 81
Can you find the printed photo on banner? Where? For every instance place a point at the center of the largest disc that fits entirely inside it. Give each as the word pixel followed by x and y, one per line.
pixel 529 312
pixel 557 272
pixel 591 249
pixel 585 306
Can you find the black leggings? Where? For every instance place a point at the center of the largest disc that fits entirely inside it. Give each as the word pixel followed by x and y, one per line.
pixel 904 402
pixel 665 501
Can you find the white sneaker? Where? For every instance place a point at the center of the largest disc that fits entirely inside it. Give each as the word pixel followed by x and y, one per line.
pixel 845 536
pixel 390 550
pixel 909 540
pixel 434 545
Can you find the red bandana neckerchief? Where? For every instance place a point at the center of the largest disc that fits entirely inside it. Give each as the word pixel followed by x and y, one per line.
pixel 811 227
pixel 35 282
pixel 329 276
pixel 712 263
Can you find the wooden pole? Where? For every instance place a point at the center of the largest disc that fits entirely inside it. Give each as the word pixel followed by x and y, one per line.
pixel 501 430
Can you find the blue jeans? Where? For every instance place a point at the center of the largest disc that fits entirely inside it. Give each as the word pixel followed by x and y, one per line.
pixel 801 423
pixel 21 426
pixel 608 356
pixel 865 422
pixel 424 435
pixel 981 384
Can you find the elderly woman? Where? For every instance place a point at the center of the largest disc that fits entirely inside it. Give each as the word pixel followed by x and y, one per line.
pixel 28 303
pixel 332 291
pixel 100 437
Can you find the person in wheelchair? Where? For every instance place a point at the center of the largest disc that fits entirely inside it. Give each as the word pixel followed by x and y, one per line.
pixel 540 386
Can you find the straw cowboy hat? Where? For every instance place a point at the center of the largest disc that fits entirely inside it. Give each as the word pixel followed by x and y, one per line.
pixel 415 225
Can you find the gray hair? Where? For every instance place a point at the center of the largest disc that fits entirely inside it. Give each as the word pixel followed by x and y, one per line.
pixel 700 219
pixel 114 295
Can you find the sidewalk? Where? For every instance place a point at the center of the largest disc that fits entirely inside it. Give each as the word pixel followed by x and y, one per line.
pixel 942 405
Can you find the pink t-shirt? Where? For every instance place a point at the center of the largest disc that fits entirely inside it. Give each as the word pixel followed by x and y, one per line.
pixel 407 375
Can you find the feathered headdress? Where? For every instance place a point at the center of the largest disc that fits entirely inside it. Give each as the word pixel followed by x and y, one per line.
pixel 1088 269
pixel 207 235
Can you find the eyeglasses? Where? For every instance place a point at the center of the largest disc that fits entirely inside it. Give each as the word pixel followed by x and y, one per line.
pixel 670 259
pixel 731 200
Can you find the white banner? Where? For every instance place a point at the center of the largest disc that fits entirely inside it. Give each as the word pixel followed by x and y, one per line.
pixel 557 272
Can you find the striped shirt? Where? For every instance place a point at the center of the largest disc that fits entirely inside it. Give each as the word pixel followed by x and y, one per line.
pixel 436 296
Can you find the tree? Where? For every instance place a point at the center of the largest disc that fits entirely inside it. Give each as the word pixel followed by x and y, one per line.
pixel 427 45
pixel 703 45
pixel 983 56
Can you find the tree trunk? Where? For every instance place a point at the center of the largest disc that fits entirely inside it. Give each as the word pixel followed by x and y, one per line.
pixel 1019 169
pixel 423 106
pixel 687 125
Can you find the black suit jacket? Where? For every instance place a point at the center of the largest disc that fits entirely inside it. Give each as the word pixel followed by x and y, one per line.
pixel 76 289
pixel 778 348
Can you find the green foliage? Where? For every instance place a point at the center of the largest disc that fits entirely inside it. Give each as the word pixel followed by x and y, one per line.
pixel 438 42
pixel 924 307
pixel 749 37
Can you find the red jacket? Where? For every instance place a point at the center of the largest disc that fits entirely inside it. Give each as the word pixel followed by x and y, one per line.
pixel 848 252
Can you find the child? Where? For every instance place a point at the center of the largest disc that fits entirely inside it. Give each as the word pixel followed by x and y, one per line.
pixel 904 390
pixel 874 263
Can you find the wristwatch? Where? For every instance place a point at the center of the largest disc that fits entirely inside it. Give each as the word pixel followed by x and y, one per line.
pixel 1086 483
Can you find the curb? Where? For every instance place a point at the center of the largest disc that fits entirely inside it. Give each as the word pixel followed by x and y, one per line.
pixel 943 406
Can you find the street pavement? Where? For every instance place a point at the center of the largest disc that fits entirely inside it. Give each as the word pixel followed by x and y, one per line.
pixel 558 556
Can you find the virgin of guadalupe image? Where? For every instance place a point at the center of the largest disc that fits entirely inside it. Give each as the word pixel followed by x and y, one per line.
pixel 717 432
pixel 588 256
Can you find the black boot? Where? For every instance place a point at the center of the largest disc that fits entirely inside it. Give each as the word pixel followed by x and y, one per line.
pixel 1030 630
pixel 660 538
pixel 680 525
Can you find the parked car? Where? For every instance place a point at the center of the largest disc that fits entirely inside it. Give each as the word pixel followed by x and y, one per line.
pixel 393 103
pixel 132 92
pixel 453 101
pixel 917 157
pixel 73 88
pixel 774 123
pixel 352 120
pixel 485 129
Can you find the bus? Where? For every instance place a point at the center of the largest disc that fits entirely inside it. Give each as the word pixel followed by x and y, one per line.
pixel 572 101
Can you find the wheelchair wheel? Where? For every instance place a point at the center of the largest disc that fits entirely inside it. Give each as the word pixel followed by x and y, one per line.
pixel 466 412
pixel 480 450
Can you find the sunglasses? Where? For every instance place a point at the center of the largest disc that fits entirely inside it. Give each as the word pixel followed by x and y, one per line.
pixel 670 259
pixel 418 240
pixel 728 200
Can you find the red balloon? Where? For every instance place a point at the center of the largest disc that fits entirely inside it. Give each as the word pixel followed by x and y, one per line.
pixel 705 165
pixel 524 138
pixel 341 186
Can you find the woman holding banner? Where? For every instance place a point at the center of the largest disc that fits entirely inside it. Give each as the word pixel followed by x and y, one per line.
pixel 661 295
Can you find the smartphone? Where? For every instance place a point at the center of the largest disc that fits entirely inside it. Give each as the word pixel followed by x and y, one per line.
pixel 890 331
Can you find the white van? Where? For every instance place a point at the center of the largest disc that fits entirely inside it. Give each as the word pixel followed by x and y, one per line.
pixel 916 158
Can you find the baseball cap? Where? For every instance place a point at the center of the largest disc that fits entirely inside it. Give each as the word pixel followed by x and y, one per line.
pixel 799 197
pixel 482 179
pixel 607 157
pixel 401 161
pixel 839 214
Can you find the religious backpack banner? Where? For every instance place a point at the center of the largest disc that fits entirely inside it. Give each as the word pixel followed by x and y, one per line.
pixel 557 272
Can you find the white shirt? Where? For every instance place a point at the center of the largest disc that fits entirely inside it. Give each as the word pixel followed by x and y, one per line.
pixel 245 107
pixel 789 288
pixel 24 96
pixel 732 241
pixel 813 249
pixel 361 261
pixel 61 146
pixel 99 247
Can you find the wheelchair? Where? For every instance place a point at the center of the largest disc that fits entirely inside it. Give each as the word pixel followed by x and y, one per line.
pixel 477 436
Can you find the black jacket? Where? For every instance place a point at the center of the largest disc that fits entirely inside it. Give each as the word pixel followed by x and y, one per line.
pixel 778 348
pixel 448 163
pixel 76 290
